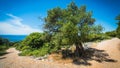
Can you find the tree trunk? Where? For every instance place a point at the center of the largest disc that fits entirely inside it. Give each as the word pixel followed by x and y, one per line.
pixel 79 50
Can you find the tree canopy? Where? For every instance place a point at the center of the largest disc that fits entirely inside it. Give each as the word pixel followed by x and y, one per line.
pixel 118 28
pixel 71 25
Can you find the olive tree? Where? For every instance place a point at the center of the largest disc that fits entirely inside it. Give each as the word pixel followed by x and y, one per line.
pixel 71 25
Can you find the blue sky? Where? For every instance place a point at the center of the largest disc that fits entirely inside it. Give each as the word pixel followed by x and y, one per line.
pixel 21 16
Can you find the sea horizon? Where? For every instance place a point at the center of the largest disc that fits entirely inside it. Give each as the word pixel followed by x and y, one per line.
pixel 13 38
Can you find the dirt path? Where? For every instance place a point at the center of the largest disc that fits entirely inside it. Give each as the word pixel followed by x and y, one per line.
pixel 12 60
pixel 112 47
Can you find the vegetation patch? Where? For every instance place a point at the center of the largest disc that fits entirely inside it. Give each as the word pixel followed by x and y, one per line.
pixel 4 45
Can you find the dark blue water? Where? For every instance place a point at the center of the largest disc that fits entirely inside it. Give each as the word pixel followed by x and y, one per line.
pixel 14 38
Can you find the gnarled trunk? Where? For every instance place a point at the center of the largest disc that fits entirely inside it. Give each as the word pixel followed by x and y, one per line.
pixel 79 50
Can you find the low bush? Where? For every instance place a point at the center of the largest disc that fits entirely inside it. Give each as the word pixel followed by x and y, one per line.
pixel 33 40
pixel 36 52
pixel 35 45
pixel 4 45
pixel 3 49
pixel 98 37
pixel 26 52
pixel 111 33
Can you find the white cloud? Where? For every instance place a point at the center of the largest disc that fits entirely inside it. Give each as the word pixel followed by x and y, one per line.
pixel 15 26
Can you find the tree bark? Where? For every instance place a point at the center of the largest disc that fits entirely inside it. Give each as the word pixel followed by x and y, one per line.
pixel 79 50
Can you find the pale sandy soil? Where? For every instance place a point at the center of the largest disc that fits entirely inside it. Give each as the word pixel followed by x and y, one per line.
pixel 112 47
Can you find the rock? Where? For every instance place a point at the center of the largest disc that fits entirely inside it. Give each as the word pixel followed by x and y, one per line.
pixel 41 58
pixel 32 57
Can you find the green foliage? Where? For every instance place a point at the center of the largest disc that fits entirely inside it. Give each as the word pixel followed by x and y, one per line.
pixel 111 33
pixel 3 49
pixel 118 28
pixel 98 37
pixel 4 45
pixel 34 45
pixel 118 32
pixel 20 46
pixel 33 40
pixel 45 49
pixel 92 33
pixel 4 41
pixel 115 33
pixel 26 52
pixel 69 27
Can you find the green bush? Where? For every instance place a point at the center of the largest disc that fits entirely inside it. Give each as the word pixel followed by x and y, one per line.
pixel 118 31
pixel 29 51
pixel 98 37
pixel 111 33
pixel 41 51
pixel 3 49
pixel 118 28
pixel 4 45
pixel 26 52
pixel 4 41
pixel 33 40
pixel 18 46
pixel 35 45
pixel 35 52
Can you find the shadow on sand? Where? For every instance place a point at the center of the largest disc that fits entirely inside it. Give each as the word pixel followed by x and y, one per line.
pixel 90 54
pixel 2 58
pixel 2 53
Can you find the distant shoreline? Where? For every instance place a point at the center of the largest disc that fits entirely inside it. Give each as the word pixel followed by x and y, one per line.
pixel 13 38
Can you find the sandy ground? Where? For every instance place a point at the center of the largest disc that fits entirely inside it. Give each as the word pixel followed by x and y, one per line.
pixel 12 60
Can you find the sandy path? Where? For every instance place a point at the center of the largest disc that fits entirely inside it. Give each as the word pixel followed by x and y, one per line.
pixel 12 60
pixel 112 47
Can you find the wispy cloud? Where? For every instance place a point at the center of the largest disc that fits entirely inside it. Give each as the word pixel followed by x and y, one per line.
pixel 14 25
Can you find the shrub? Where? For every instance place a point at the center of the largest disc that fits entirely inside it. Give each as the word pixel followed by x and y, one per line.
pixel 3 49
pixel 4 41
pixel 4 45
pixel 42 51
pixel 111 33
pixel 33 40
pixel 35 45
pixel 26 52
pixel 35 52
pixel 18 46
pixel 98 37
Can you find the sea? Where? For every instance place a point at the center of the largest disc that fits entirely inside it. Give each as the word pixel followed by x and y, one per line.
pixel 14 38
